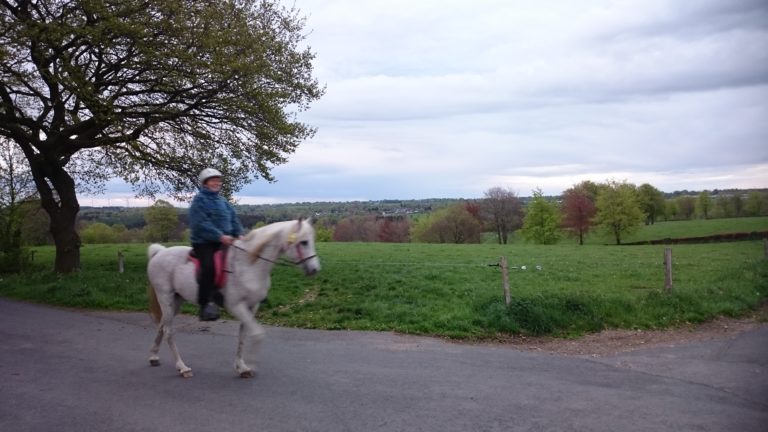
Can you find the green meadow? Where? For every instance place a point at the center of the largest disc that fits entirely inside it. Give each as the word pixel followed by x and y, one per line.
pixel 456 290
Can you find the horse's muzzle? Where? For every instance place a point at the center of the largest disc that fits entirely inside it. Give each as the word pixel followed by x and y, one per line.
pixel 311 266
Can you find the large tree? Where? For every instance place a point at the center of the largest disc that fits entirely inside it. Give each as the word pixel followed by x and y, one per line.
pixel 704 203
pixel 578 210
pixel 618 209
pixel 453 224
pixel 503 211
pixel 150 92
pixel 686 206
pixel 651 202
pixel 756 203
pixel 542 220
pixel 161 218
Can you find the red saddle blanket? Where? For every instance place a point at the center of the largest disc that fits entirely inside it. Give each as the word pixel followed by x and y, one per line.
pixel 219 265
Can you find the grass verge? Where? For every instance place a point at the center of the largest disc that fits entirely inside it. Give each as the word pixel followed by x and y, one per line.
pixel 451 290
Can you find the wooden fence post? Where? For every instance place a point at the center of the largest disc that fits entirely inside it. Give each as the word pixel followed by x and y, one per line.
pixel 505 279
pixel 668 269
pixel 120 262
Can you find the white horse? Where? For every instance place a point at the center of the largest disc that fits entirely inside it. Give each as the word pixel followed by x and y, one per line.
pixel 249 264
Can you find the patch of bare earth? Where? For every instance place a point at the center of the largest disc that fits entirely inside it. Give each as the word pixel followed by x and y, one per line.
pixel 610 342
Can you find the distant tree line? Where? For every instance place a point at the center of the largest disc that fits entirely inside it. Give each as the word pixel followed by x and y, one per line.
pixel 618 208
pixel 615 207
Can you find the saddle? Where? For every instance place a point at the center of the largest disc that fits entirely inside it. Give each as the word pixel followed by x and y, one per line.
pixel 219 266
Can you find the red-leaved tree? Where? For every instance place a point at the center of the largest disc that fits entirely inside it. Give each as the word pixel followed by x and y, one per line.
pixel 394 229
pixel 578 211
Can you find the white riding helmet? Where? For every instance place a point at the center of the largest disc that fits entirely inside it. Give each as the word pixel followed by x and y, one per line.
pixel 208 173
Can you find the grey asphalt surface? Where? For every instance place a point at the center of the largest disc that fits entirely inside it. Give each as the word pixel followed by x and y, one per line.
pixel 63 370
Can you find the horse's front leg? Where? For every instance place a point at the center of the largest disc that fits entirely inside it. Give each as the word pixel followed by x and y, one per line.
pixel 249 339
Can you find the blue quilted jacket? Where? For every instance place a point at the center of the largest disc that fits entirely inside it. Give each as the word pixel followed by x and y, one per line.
pixel 210 216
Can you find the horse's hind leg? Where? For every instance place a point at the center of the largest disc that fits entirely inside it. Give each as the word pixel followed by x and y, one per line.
pixel 250 336
pixel 154 359
pixel 170 307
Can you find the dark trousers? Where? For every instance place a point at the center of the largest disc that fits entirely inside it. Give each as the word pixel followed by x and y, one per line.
pixel 204 253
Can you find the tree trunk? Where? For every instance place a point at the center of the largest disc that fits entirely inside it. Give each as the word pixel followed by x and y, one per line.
pixel 59 200
pixel 66 238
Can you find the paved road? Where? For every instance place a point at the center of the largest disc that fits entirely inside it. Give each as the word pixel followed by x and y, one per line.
pixel 64 370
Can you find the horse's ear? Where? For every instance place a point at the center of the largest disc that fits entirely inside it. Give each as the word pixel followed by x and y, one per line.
pixel 302 220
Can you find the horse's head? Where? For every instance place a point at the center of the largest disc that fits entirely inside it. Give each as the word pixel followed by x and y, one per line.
pixel 300 246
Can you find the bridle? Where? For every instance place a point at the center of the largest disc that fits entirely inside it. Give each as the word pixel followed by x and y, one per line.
pixel 284 261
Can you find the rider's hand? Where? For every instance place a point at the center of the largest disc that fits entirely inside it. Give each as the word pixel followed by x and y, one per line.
pixel 226 240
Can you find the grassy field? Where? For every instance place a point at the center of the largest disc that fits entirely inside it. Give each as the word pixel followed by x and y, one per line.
pixel 692 228
pixel 451 290
pixel 663 230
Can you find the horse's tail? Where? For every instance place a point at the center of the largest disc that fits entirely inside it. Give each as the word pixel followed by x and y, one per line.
pixel 154 305
pixel 154 248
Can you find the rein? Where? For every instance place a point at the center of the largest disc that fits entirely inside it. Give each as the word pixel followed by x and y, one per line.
pixel 281 261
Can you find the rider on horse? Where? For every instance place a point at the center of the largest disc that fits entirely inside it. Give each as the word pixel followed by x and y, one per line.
pixel 213 224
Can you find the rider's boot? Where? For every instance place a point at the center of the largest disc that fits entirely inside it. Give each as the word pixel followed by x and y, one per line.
pixel 209 312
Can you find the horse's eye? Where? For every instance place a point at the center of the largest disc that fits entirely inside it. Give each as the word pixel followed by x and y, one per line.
pixel 304 243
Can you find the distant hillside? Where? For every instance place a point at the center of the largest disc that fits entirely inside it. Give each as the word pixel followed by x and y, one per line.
pixel 133 217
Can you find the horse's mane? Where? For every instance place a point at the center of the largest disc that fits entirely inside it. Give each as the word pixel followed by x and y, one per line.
pixel 263 236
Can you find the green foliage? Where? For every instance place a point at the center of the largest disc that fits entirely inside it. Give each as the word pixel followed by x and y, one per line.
pixel 451 290
pixel 684 228
pixel 452 224
pixel 15 260
pixel 323 233
pixel 652 202
pixel 704 204
pixel 35 223
pixel 98 232
pixel 161 218
pixel 150 92
pixel 618 210
pixel 542 220
pixel 756 204
pixel 686 206
pixel 16 204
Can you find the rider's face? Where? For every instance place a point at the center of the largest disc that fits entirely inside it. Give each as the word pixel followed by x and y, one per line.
pixel 213 184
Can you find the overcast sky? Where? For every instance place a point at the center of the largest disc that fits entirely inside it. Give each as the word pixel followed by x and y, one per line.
pixel 446 99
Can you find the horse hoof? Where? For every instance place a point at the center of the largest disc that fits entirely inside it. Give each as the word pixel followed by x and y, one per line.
pixel 247 374
pixel 154 362
pixel 187 374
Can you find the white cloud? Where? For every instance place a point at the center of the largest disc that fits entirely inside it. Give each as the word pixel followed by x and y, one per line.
pixel 448 98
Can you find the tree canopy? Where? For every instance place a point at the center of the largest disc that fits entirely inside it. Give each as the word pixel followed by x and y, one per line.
pixel 162 218
pixel 542 220
pixel 651 202
pixel 704 202
pixel 150 92
pixel 618 210
pixel 454 224
pixel 578 210
pixel 503 211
